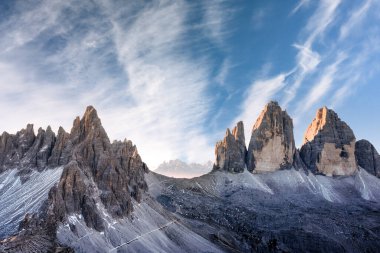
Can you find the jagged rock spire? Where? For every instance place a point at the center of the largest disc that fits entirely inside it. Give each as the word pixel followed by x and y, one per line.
pixel 329 145
pixel 230 153
pixel 93 168
pixel 116 170
pixel 272 142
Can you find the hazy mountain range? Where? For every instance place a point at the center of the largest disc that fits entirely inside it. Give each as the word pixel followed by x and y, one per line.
pixel 180 169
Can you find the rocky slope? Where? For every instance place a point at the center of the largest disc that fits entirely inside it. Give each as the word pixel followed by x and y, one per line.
pixel 329 145
pixel 283 211
pixel 367 157
pixel 231 152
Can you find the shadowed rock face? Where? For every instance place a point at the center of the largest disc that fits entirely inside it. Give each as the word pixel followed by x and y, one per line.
pixel 272 142
pixel 329 145
pixel 97 176
pixel 230 153
pixel 115 171
pixel 367 157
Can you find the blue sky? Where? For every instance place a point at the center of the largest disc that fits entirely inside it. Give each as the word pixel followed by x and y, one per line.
pixel 173 75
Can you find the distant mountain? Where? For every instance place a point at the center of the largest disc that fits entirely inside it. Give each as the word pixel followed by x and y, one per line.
pixel 179 169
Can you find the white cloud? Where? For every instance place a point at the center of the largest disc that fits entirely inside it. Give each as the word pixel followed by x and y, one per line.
pixel 300 4
pixel 355 18
pixel 308 59
pixel 216 16
pixel 323 85
pixel 167 87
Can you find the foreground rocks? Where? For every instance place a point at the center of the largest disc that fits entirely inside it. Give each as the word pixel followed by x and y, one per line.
pixel 329 145
pixel 272 142
pixel 367 156
pixel 230 153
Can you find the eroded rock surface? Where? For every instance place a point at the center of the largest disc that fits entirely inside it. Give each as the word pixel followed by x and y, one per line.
pixel 230 153
pixel 329 145
pixel 98 170
pixel 97 177
pixel 367 157
pixel 272 142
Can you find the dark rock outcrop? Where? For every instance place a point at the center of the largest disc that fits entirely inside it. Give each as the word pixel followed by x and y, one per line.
pixel 61 152
pixel 115 170
pixel 230 153
pixel 272 142
pixel 97 176
pixel 367 157
pixel 26 151
pixel 329 145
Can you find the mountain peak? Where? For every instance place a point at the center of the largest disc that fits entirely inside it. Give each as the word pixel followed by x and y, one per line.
pixel 272 144
pixel 325 120
pixel 230 152
pixel 329 145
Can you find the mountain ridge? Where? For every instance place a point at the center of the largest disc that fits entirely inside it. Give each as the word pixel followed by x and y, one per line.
pixel 102 191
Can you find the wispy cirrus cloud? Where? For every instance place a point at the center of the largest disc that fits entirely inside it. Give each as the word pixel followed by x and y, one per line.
pixel 322 86
pixel 301 3
pixel 355 18
pixel 128 60
pixel 307 58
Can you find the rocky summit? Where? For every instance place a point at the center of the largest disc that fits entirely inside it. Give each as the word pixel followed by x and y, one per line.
pixel 329 145
pixel 96 174
pixel 272 142
pixel 231 152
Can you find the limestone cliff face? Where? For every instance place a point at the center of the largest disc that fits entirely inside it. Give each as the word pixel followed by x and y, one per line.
pixel 367 157
pixel 329 145
pixel 272 142
pixel 230 153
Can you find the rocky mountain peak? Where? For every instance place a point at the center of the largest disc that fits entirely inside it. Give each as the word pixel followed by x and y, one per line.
pixel 97 175
pixel 115 170
pixel 329 145
pixel 231 151
pixel 272 142
pixel 326 121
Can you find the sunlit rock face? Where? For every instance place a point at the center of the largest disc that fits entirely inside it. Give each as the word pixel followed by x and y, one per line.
pixel 272 142
pixel 329 145
pixel 230 153
pixel 367 157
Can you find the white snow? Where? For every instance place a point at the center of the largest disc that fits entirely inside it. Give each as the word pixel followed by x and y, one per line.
pixel 17 199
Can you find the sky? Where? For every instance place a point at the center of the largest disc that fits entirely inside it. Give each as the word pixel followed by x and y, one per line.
pixel 172 75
